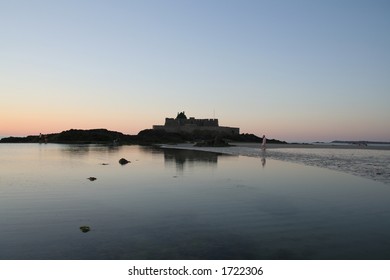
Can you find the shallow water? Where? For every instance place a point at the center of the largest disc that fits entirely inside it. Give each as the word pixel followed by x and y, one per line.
pixel 173 204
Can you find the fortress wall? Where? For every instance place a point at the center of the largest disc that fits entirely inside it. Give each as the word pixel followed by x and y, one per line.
pixel 192 128
pixel 191 124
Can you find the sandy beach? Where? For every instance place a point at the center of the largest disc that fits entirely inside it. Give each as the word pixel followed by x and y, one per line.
pixel 371 162
pixel 237 146
pixel 313 146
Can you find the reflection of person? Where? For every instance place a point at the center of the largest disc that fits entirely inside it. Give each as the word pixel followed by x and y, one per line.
pixel 263 143
pixel 263 160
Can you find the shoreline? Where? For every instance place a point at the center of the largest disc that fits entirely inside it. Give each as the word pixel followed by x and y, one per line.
pixel 313 146
pixel 277 146
pixel 367 162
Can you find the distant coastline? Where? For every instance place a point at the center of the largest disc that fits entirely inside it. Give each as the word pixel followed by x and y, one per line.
pixel 361 142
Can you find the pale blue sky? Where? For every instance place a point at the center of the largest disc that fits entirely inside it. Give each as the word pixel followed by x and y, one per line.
pixel 294 70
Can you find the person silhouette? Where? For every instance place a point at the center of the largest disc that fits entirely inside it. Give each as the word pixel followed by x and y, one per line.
pixel 263 144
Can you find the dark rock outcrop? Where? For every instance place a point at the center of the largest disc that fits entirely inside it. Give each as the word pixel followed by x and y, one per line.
pixel 89 136
pixel 160 136
pixel 123 161
pixel 77 136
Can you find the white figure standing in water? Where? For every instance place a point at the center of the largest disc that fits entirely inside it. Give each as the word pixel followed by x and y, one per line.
pixel 263 144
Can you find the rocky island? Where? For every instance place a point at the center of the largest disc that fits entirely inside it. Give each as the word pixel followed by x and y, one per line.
pixel 144 137
pixel 205 132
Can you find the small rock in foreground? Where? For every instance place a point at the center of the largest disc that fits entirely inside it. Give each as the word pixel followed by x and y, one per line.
pixel 85 229
pixel 123 161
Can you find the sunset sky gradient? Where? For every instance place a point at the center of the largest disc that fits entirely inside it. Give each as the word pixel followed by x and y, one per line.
pixel 294 70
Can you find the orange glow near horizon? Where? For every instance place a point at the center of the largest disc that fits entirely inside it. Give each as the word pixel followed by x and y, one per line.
pixel 47 122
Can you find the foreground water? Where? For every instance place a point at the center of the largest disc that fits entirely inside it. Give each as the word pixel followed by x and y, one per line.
pixel 178 204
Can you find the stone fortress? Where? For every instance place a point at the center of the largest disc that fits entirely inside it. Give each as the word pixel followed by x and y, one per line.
pixel 190 125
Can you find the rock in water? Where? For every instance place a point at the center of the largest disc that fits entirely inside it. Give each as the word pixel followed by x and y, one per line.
pixel 85 229
pixel 123 161
pixel 91 178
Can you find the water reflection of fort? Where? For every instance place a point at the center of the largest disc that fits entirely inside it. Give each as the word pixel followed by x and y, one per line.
pixel 183 158
pixel 85 149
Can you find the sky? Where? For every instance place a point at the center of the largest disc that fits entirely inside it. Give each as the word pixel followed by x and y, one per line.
pixel 293 70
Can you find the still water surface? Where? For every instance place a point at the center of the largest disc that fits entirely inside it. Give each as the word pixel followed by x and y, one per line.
pixel 178 204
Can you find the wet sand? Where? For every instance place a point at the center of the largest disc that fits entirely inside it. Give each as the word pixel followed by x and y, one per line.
pixel 313 146
pixel 371 162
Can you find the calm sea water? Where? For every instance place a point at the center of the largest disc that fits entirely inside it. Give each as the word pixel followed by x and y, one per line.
pixel 177 204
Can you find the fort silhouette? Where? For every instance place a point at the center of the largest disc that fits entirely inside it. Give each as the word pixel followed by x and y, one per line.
pixel 183 124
